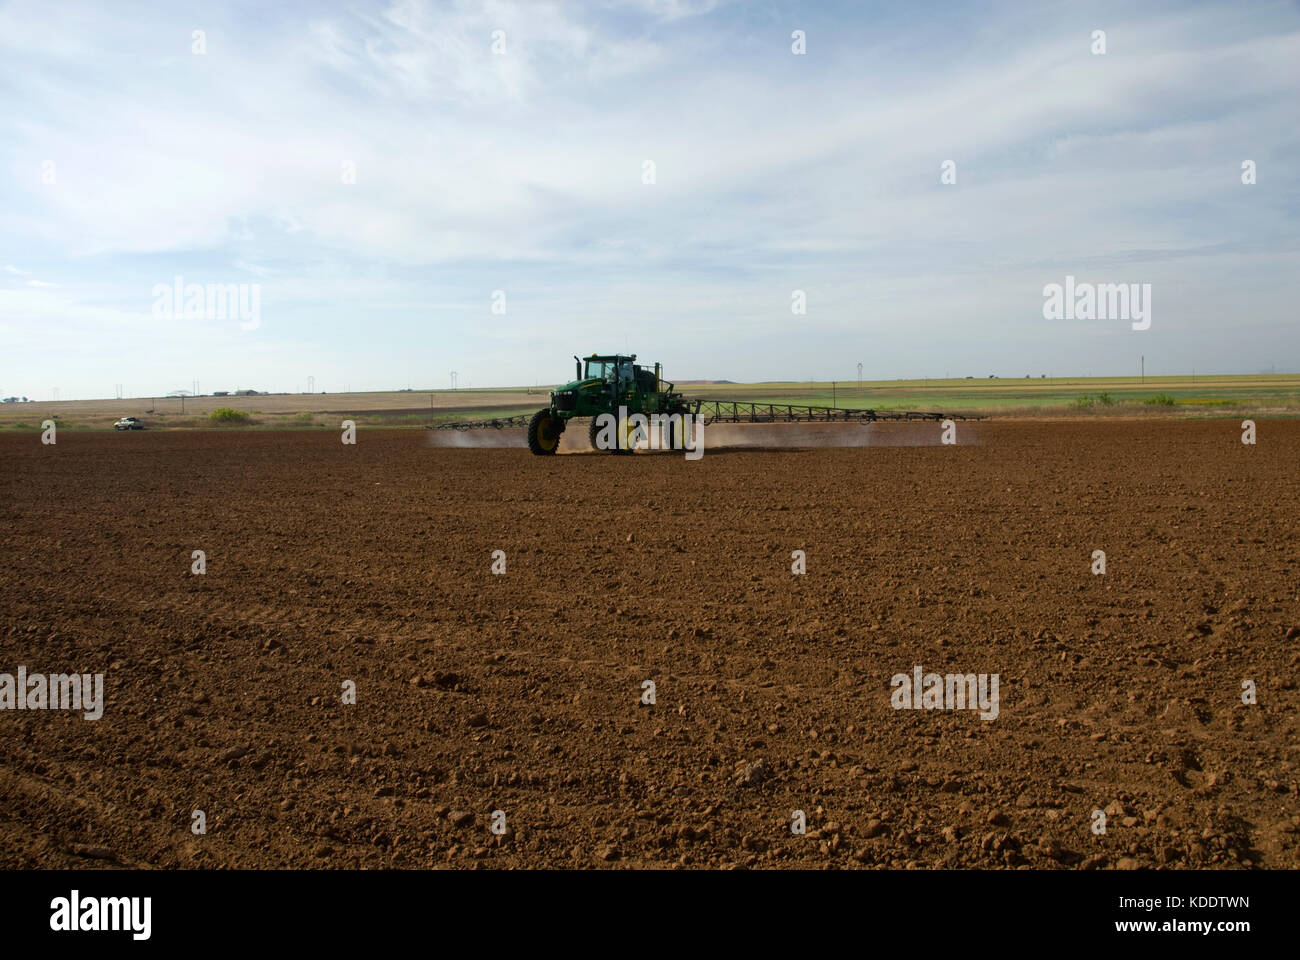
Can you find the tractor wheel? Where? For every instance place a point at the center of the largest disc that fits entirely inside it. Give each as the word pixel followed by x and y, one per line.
pixel 544 433
pixel 619 448
pixel 677 429
pixel 625 442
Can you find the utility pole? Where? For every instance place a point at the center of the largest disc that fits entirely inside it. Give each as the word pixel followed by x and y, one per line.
pixel 1144 367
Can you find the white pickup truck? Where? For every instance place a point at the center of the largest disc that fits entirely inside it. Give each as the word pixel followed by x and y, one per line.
pixel 129 423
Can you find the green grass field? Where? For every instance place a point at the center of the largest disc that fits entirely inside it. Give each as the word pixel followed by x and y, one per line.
pixel 1278 395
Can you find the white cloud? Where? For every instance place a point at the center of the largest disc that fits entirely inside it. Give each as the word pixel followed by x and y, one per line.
pixel 523 171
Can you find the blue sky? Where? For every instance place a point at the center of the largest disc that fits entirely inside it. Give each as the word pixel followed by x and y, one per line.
pixel 523 171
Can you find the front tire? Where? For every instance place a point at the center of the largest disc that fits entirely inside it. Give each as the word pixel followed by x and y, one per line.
pixel 544 433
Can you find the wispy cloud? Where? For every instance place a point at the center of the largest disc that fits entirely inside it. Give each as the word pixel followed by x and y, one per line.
pixel 383 170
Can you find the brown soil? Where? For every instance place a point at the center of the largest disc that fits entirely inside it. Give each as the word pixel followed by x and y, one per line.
pixel 519 693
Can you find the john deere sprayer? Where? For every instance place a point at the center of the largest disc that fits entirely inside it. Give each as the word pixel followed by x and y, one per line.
pixel 603 385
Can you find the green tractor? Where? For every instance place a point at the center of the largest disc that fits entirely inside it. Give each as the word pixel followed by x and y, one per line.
pixel 608 383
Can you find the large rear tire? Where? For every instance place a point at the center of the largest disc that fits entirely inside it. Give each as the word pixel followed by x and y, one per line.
pixel 678 430
pixel 622 448
pixel 619 449
pixel 626 441
pixel 544 433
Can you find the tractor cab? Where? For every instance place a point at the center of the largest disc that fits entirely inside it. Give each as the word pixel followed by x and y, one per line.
pixel 616 369
pixel 618 378
pixel 622 381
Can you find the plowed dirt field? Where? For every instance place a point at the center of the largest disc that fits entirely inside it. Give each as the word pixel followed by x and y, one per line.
pixel 371 565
